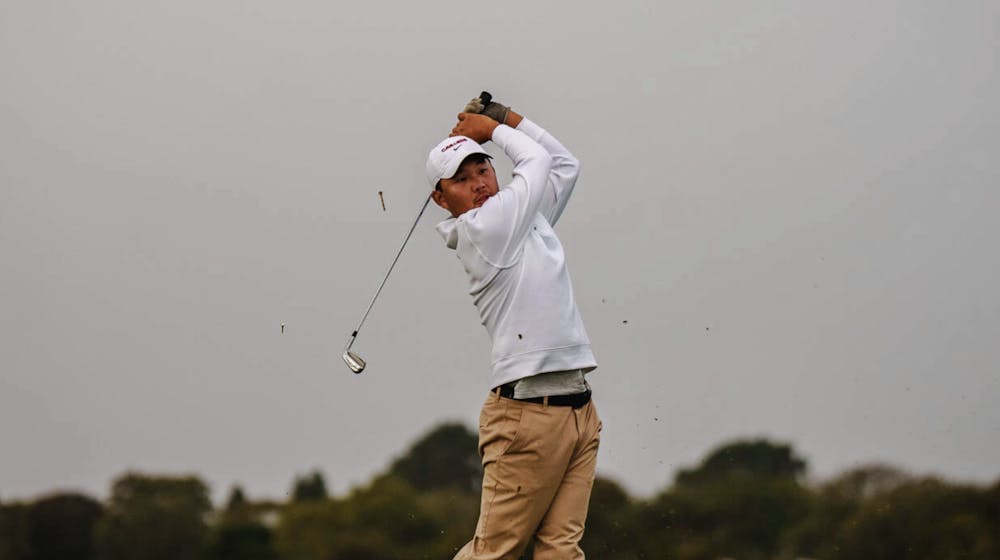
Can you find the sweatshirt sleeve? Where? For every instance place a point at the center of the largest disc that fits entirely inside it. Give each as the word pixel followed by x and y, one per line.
pixel 499 227
pixel 562 176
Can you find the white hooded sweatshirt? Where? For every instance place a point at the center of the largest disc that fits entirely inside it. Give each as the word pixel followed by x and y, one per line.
pixel 515 263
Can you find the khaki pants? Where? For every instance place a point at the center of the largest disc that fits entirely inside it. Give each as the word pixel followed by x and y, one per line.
pixel 538 470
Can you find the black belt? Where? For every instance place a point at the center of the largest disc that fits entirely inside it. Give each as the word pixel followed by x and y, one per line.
pixel 576 401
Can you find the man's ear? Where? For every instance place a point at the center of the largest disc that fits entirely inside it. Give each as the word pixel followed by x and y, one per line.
pixel 439 199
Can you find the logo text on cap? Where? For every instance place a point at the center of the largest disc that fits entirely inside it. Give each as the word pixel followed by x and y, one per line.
pixel 453 144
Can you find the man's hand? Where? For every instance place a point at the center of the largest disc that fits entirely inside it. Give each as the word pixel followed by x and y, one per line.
pixel 478 127
pixel 487 107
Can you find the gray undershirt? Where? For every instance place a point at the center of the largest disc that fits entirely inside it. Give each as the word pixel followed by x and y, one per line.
pixel 551 384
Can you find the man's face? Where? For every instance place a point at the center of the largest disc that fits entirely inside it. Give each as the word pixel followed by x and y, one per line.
pixel 472 185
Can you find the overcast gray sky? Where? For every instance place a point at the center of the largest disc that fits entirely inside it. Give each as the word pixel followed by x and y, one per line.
pixel 792 204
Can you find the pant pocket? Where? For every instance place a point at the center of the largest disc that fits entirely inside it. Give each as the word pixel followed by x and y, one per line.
pixel 499 426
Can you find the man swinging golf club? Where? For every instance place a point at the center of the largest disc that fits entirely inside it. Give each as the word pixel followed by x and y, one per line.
pixel 538 429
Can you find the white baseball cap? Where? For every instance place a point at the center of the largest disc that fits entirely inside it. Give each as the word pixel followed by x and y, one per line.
pixel 445 159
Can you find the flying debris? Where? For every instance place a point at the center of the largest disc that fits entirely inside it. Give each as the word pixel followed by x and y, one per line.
pixel 282 328
pixel 381 199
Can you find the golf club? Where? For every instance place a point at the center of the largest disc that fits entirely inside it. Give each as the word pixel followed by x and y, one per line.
pixel 354 361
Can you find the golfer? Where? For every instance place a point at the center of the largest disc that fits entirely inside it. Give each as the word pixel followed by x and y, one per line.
pixel 538 429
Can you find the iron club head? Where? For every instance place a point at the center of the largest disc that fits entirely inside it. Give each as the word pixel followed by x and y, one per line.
pixel 354 362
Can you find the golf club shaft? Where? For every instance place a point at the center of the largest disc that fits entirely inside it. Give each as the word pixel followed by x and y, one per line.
pixel 354 335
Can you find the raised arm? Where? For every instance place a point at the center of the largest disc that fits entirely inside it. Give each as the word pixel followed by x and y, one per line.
pixel 565 167
pixel 499 227
pixel 562 176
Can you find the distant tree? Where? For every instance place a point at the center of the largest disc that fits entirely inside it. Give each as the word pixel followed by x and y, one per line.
pixel 925 518
pixel 610 525
pixel 154 518
pixel 311 529
pixel 865 481
pixel 14 532
pixel 446 457
pixel 813 534
pixel 237 500
pixel 391 507
pixel 758 458
pixel 736 503
pixel 992 495
pixel 834 502
pixel 452 514
pixel 60 526
pixel 386 519
pixel 238 533
pixel 240 540
pixel 739 517
pixel 308 487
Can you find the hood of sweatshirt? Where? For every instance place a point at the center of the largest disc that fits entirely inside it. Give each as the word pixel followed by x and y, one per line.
pixel 449 228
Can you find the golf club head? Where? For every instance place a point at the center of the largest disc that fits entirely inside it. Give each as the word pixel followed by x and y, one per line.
pixel 354 362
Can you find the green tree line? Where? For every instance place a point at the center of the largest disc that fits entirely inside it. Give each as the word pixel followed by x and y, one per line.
pixel 746 500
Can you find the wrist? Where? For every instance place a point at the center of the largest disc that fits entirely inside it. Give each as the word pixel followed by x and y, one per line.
pixel 491 128
pixel 513 119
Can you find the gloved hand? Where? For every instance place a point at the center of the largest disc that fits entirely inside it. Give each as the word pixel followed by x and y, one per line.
pixel 484 105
